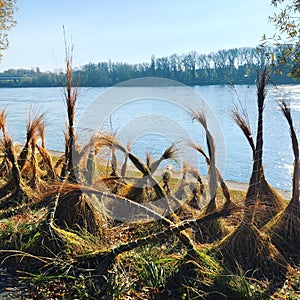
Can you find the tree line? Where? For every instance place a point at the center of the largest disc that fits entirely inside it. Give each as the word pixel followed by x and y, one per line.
pixel 237 65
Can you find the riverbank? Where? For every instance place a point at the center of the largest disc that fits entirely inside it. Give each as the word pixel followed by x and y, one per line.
pixel 239 186
pixel 232 185
pixel 25 226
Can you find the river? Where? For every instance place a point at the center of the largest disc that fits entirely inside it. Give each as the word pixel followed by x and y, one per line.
pixel 153 122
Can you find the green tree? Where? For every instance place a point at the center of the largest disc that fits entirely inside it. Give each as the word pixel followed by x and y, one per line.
pixel 286 37
pixel 7 10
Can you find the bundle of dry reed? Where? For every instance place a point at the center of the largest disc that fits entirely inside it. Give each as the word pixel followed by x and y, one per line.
pixel 284 229
pixel 246 247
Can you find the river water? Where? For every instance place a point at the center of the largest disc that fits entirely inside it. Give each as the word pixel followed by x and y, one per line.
pixel 152 121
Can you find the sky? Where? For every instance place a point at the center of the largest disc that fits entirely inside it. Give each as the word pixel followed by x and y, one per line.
pixel 130 31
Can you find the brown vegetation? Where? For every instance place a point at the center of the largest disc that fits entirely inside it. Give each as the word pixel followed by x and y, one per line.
pixel 75 204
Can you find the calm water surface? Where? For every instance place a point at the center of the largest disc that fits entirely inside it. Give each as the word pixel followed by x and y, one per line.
pixel 141 113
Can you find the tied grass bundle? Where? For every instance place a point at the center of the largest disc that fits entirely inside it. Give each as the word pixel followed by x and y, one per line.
pixel 46 163
pixel 71 96
pixel 210 231
pixel 5 166
pixel 228 202
pixel 246 247
pixel 15 192
pixel 212 170
pixel 284 229
pixel 262 201
pixel 142 191
pixel 198 199
pixel 32 132
pixel 250 249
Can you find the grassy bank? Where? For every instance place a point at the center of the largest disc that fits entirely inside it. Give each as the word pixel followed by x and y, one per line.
pixel 86 225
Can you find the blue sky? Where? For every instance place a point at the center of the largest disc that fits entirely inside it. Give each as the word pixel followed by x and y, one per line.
pixel 131 31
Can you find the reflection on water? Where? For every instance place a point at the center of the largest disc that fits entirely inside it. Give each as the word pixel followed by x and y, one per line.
pixel 278 156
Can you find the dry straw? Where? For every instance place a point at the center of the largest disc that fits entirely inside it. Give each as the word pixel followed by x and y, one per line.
pixel 247 247
pixel 284 229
